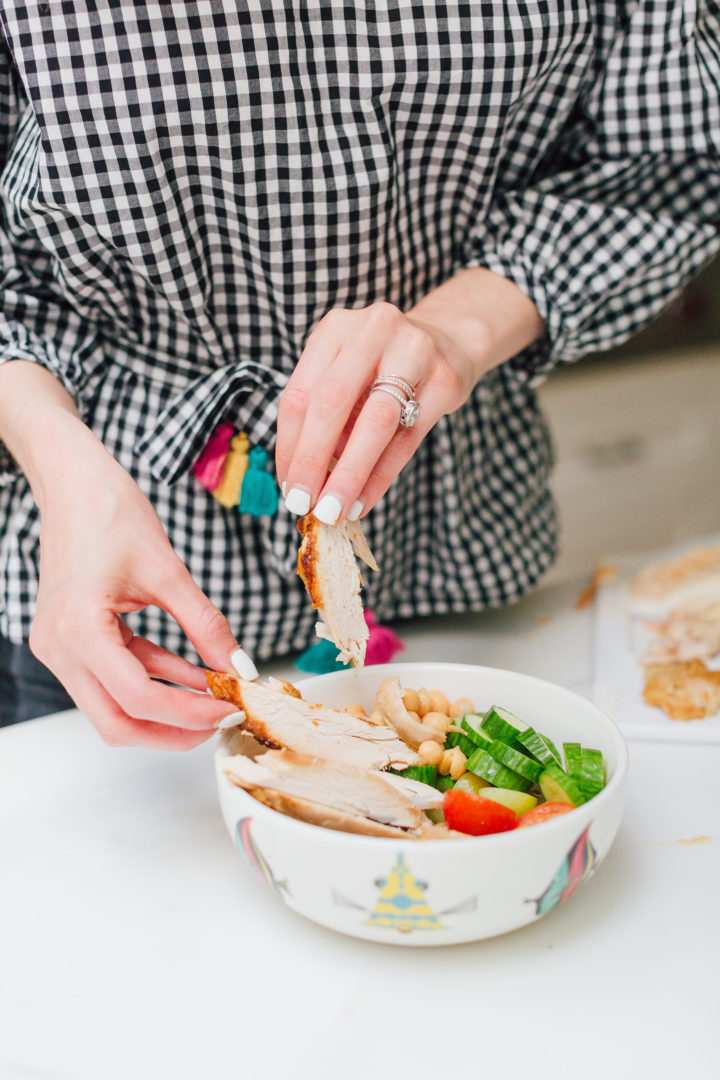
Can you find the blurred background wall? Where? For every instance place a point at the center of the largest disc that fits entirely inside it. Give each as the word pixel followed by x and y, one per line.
pixel 637 437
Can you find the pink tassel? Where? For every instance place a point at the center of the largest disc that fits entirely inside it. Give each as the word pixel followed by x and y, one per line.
pixel 208 469
pixel 382 644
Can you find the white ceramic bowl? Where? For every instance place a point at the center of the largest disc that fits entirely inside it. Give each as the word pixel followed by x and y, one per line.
pixel 438 892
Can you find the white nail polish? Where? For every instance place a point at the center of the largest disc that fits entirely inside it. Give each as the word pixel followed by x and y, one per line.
pixel 355 510
pixel 328 509
pixel 243 664
pixel 283 488
pixel 298 501
pixel 231 720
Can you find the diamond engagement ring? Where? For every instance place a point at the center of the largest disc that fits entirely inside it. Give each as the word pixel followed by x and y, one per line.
pixel 404 392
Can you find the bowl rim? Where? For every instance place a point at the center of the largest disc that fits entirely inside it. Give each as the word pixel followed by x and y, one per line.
pixel 611 789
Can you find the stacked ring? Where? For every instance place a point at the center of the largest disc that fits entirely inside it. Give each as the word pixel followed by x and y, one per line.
pixel 404 392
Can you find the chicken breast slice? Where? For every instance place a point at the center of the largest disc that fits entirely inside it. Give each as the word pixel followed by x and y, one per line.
pixel 330 573
pixel 423 795
pixel 327 816
pixel 283 721
pixel 332 783
pixel 389 702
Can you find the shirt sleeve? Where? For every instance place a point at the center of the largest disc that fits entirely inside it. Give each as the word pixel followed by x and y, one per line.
pixel 625 210
pixel 35 324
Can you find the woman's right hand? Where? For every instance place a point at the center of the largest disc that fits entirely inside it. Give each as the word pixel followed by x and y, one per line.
pixel 104 553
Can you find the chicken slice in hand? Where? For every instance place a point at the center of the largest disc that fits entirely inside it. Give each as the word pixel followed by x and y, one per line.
pixel 280 720
pixel 328 567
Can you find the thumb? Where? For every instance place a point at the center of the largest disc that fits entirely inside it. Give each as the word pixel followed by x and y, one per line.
pixel 205 625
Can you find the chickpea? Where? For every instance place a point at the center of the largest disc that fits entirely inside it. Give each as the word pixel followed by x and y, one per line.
pixel 414 716
pixel 356 710
pixel 411 701
pixel 424 703
pixel 439 702
pixel 430 752
pixel 452 763
pixel 457 766
pixel 460 707
pixel 377 718
pixel 437 721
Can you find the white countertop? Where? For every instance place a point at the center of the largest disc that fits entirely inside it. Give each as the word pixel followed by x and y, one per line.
pixel 135 943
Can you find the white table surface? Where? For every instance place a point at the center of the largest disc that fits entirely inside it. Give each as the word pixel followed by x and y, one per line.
pixel 135 943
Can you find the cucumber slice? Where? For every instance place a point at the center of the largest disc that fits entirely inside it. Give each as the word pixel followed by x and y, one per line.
pixel 437 816
pixel 592 773
pixel 488 768
pixel 470 782
pixel 513 759
pixel 503 725
pixel 457 738
pixel 557 786
pixel 471 724
pixel 426 774
pixel 541 748
pixel 573 760
pixel 519 801
pixel 444 783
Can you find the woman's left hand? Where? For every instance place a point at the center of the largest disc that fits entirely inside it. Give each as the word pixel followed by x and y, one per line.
pixel 327 410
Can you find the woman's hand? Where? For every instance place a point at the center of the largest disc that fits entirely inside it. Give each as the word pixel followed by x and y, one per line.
pixel 104 553
pixel 443 346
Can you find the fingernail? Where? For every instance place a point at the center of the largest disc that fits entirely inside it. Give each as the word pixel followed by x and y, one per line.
pixel 231 720
pixel 283 488
pixel 298 500
pixel 328 509
pixel 243 664
pixel 355 510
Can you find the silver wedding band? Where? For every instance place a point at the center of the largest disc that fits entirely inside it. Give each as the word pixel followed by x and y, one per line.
pixel 404 392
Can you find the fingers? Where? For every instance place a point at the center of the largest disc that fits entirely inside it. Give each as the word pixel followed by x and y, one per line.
pixel 206 626
pixel 104 669
pixel 329 412
pixel 114 725
pixel 162 664
pixel 437 396
pixel 129 684
pixel 332 373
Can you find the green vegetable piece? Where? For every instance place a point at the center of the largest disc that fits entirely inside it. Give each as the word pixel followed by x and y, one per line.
pixel 541 747
pixel 513 759
pixel 471 724
pixel 557 786
pixel 471 782
pixel 573 760
pixel 519 801
pixel 436 815
pixel 503 725
pixel 489 769
pixel 425 774
pixel 592 772
pixel 457 738
pixel 444 783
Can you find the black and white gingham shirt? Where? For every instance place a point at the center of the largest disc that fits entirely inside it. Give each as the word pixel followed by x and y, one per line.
pixel 187 188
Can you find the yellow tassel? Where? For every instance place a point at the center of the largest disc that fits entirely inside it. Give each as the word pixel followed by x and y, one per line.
pixel 236 463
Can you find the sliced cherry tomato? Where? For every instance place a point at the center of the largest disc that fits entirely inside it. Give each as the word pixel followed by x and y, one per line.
pixel 472 814
pixel 543 812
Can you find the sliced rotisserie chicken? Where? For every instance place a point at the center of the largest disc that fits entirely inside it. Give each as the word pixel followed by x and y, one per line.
pixel 280 720
pixel 390 704
pixel 330 573
pixel 327 816
pixel 345 788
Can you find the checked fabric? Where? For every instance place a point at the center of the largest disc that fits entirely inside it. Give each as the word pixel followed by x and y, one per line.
pixel 186 189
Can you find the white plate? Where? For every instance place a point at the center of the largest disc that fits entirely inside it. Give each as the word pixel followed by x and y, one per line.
pixel 620 639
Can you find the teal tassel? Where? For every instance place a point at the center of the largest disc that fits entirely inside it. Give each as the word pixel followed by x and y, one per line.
pixel 259 493
pixel 320 658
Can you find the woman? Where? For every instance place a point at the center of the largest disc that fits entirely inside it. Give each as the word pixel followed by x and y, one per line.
pixel 474 192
